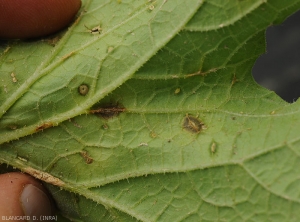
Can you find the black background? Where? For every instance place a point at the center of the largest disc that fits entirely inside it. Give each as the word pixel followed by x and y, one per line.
pixel 279 68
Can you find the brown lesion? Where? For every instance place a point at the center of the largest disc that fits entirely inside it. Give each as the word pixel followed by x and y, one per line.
pixel 75 123
pixel 86 157
pixel 108 111
pixel 234 80
pixel 53 40
pixel 48 178
pixel 43 126
pixel 192 124
pixel 95 30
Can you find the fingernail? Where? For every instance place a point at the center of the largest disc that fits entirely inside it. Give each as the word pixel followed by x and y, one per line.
pixel 35 202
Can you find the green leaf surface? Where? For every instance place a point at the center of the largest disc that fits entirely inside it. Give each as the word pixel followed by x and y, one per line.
pixel 130 37
pixel 174 126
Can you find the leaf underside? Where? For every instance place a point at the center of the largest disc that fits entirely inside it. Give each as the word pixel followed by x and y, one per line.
pixel 171 126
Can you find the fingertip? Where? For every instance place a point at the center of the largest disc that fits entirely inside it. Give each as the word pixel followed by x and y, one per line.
pixel 35 202
pixel 22 195
pixel 32 18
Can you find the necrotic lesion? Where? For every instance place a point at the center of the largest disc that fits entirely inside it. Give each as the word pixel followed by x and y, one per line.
pixel 108 111
pixel 192 124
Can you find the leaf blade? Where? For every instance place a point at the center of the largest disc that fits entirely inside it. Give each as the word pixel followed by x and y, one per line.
pixel 142 163
pixel 60 80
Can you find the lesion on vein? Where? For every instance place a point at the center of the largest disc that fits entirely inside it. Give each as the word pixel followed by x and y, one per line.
pixel 108 111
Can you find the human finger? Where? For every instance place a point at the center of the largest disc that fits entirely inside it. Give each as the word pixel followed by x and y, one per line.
pixel 35 18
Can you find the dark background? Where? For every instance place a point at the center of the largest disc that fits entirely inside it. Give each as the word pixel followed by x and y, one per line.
pixel 279 68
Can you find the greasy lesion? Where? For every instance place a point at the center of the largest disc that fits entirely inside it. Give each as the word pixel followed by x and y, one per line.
pixel 192 124
pixel 108 111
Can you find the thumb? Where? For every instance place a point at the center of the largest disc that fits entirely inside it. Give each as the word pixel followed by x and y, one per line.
pixel 23 198
pixel 35 18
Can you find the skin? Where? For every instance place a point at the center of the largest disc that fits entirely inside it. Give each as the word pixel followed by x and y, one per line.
pixel 11 187
pixel 23 19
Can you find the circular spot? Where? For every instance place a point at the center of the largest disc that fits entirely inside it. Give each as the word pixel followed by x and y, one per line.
pixel 151 7
pixel 83 89
pixel 31 19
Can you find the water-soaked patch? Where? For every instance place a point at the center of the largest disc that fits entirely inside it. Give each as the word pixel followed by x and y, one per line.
pixel 192 124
